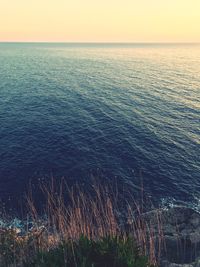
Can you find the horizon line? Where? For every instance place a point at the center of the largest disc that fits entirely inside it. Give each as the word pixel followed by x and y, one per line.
pixel 94 42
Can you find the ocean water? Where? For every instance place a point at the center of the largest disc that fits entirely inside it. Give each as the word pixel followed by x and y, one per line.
pixel 125 111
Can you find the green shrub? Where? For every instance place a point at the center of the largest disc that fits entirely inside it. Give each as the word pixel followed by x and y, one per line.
pixel 106 252
pixel 10 246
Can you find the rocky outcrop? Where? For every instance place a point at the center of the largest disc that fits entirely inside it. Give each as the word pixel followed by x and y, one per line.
pixel 180 228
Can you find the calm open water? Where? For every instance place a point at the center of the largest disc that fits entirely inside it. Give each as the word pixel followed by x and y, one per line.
pixel 124 110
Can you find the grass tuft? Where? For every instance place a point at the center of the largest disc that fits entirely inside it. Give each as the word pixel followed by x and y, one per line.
pixel 95 228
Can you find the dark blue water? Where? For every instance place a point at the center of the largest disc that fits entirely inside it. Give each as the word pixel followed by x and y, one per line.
pixel 121 110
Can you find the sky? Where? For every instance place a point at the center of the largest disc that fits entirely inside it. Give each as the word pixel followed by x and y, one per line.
pixel 100 20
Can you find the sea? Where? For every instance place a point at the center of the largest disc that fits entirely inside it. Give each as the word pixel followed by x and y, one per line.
pixel 123 112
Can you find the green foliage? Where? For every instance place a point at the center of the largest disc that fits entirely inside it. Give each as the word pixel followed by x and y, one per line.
pixel 10 246
pixel 106 252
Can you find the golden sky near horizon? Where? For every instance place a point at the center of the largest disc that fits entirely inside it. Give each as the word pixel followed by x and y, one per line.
pixel 100 20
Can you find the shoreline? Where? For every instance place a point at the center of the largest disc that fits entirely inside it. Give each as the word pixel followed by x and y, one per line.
pixel 180 230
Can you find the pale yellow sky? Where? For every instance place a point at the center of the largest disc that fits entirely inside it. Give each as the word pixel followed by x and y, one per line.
pixel 100 20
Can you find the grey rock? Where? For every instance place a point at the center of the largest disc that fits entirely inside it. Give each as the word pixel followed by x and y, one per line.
pixel 180 228
pixel 166 263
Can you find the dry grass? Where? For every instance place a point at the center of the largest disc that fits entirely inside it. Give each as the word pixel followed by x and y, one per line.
pixel 101 212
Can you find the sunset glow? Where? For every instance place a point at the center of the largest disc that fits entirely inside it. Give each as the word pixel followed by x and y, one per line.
pixel 100 21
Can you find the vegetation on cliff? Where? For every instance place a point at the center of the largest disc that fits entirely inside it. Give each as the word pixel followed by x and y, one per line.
pixel 89 228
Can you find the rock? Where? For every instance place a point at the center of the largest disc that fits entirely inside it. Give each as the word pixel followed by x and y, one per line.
pixel 180 265
pixel 180 228
pixel 168 264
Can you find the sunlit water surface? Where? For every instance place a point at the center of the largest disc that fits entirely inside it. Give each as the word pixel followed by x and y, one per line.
pixel 127 111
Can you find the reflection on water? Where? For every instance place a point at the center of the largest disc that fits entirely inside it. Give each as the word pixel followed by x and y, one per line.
pixel 77 108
